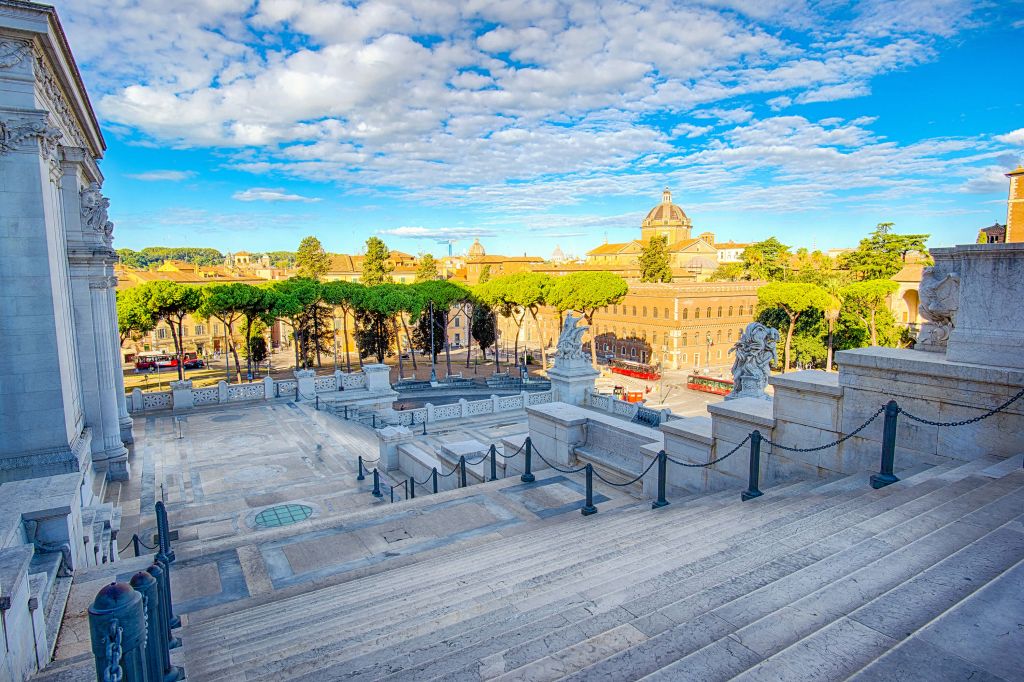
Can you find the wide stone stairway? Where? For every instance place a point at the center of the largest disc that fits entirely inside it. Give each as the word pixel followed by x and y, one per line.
pixel 815 580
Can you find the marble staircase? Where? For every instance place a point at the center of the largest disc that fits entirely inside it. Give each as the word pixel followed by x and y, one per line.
pixel 815 580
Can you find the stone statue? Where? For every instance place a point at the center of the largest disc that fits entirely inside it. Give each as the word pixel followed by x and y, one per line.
pixel 94 212
pixel 755 350
pixel 940 298
pixel 570 341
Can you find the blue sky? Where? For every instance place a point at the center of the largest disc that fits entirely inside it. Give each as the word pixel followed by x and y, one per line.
pixel 248 125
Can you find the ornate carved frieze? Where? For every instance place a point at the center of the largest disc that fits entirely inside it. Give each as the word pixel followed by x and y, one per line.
pixel 13 52
pixel 58 103
pixel 104 282
pixel 94 214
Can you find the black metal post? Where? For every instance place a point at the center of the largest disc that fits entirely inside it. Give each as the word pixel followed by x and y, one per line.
pixel 163 532
pixel 296 391
pixel 392 489
pixel 374 418
pixel 662 466
pixel 135 544
pixel 172 673
pixel 589 507
pixel 376 484
pixel 424 426
pixel 412 488
pixel 318 403
pixel 433 476
pixel 360 477
pixel 117 630
pixel 462 471
pixel 527 476
pixel 494 462
pixel 755 468
pixel 885 476
pixel 346 412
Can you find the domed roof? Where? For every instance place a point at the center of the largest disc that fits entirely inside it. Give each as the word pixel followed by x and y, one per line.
pixel 477 249
pixel 666 213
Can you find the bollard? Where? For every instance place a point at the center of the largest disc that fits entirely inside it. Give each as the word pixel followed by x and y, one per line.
pixel 424 427
pixel 589 507
pixel 135 544
pixel 318 403
pixel 296 391
pixel 165 555
pixel 376 484
pixel 527 476
pixel 117 628
pixel 755 468
pixel 433 476
pixel 360 477
pixel 145 585
pixel 171 672
pixel 662 466
pixel 346 412
pixel 494 462
pixel 462 471
pixel 391 488
pixel 163 532
pixel 885 476
pixel 374 418
pixel 412 488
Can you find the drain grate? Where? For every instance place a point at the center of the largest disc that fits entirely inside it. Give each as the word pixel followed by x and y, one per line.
pixel 283 515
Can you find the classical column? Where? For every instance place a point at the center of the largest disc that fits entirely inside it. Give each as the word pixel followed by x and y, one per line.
pixel 124 419
pixel 115 455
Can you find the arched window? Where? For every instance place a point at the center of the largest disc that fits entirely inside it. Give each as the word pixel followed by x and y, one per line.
pixel 683 344
pixel 741 311
pixel 655 311
pixel 684 313
pixel 634 311
pixel 645 311
pixel 696 313
pixel 719 311
pixel 666 314
pixel 683 358
pixel 654 338
pixel 709 312
pixel 730 311
pixel 718 336
pixel 729 335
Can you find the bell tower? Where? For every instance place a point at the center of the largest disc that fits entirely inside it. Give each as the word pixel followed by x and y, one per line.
pixel 1015 206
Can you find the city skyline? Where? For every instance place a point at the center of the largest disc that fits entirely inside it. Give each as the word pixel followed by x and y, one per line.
pixel 250 128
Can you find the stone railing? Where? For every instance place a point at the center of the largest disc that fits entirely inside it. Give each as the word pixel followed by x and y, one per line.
pixel 470 408
pixel 621 408
pixel 183 396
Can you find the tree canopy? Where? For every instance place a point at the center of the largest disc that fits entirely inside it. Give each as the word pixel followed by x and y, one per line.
pixel 311 260
pixel 865 299
pixel 882 254
pixel 172 302
pixel 654 265
pixel 585 292
pixel 135 316
pixel 767 260
pixel 377 265
pixel 793 298
pixel 427 269
pixel 155 255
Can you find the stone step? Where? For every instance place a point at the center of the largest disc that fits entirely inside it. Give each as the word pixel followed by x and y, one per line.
pixel 768 560
pixel 979 638
pixel 763 624
pixel 831 560
pixel 406 605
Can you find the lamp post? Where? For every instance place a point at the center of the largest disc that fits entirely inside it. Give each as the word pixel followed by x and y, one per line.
pixel 433 370
pixel 335 344
pixel 707 344
pixel 227 360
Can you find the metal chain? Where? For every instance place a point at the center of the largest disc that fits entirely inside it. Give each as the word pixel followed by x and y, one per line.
pixel 832 444
pixel 113 672
pixel 623 485
pixel 501 454
pixel 711 463
pixel 965 422
pixel 558 469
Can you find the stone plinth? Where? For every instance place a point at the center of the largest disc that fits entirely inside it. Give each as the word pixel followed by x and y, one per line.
pixel 555 429
pixel 689 440
pixel 388 440
pixel 989 322
pixel 181 395
pixel 731 423
pixel 571 380
pixel 378 378
pixel 306 381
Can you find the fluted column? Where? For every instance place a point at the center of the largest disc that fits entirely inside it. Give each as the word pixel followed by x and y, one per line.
pixel 115 455
pixel 124 420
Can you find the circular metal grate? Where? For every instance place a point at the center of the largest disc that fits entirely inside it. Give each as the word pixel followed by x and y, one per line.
pixel 283 515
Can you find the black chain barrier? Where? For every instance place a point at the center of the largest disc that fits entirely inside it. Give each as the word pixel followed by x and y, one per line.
pixel 833 443
pixel 558 469
pixel 623 485
pixel 712 462
pixel 965 422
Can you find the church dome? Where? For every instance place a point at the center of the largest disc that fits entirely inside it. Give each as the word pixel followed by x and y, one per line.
pixel 476 249
pixel 666 214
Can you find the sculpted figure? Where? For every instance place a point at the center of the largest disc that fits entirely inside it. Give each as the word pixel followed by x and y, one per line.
pixel 940 298
pixel 94 211
pixel 755 351
pixel 570 341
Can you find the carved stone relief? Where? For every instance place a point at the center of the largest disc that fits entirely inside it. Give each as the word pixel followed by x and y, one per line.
pixel 13 52
pixel 940 298
pixel 94 213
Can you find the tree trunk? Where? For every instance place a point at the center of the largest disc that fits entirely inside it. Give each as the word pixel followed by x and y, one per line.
pixel 408 340
pixel 593 338
pixel 401 369
pixel 497 353
pixel 344 324
pixel 789 338
pixel 874 332
pixel 828 356
pixel 543 343
pixel 177 349
pixel 447 348
pixel 238 365
pixel 295 342
pixel 469 333
pixel 316 333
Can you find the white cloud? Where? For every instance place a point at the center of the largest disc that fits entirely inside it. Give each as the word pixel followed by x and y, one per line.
pixel 162 175
pixel 690 130
pixel 437 233
pixel 1012 137
pixel 268 194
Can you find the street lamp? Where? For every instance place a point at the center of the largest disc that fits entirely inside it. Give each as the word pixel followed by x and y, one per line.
pixel 707 344
pixel 433 370
pixel 335 344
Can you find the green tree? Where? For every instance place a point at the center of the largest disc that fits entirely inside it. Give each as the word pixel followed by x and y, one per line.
pixel 482 327
pixel 727 272
pixel 427 269
pixel 767 260
pixel 982 239
pixel 654 261
pixel 346 297
pixel 377 265
pixel 225 303
pixel 134 313
pixel 173 302
pixel 294 303
pixel 865 299
pixel 281 259
pixel 440 296
pixel 514 296
pixel 131 259
pixel 586 292
pixel 882 254
pixel 311 259
pixel 485 273
pixel 794 299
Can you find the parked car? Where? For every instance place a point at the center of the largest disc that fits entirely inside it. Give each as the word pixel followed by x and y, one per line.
pixel 194 363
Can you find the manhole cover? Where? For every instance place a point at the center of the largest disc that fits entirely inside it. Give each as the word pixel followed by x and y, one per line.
pixel 283 515
pixel 226 418
pixel 396 535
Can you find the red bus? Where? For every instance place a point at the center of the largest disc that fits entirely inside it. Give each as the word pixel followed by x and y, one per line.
pixel 637 370
pixel 696 382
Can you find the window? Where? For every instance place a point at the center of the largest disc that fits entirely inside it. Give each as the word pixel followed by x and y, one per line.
pixel 606 347
pixel 709 312
pixel 719 311
pixel 634 311
pixel 645 311
pixel 457 339
pixel 696 313
pixel 654 338
pixel 684 313
pixel 655 311
pixel 683 357
pixel 622 350
pixel 696 359
pixel 615 309
pixel 666 314
pixel 456 322
pixel 632 352
pixel 729 335
pixel 184 331
pixel 216 327
pixel 683 344
pixel 719 354
pixel 741 311
pixel 199 330
pixel 718 336
pixel 730 311
pixel 161 333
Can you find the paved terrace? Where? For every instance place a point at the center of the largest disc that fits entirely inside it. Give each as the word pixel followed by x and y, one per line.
pixel 217 468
